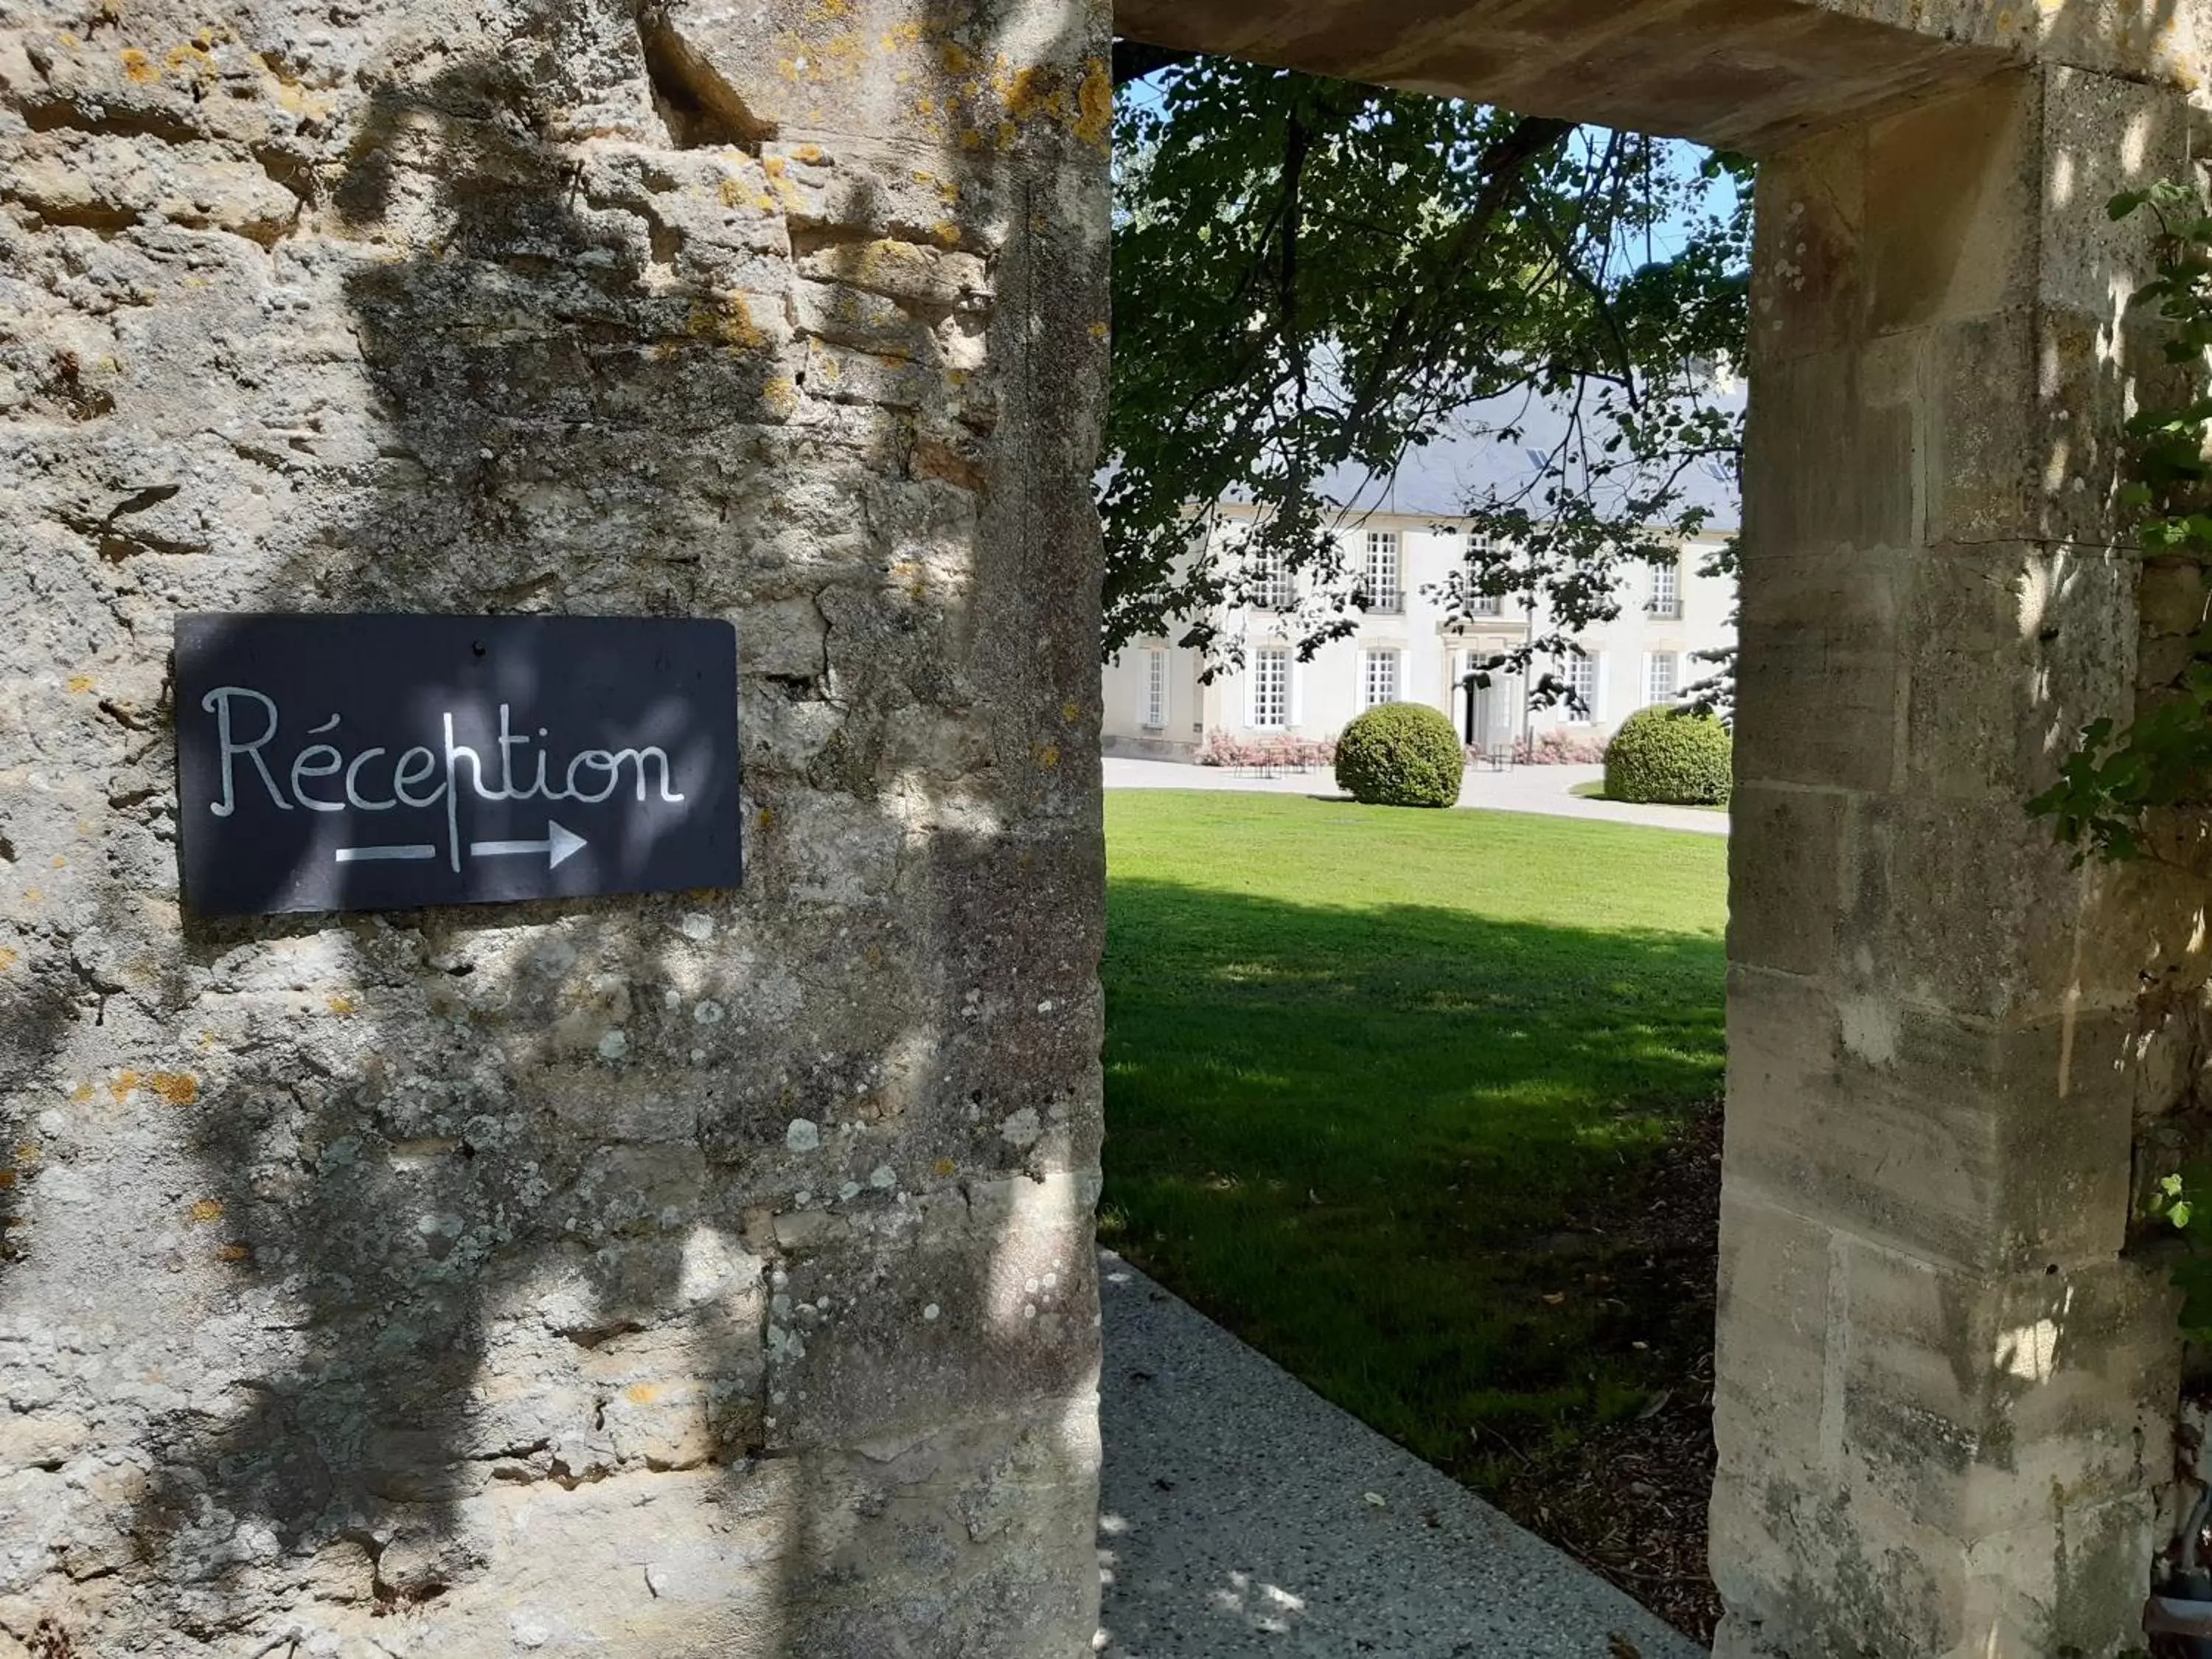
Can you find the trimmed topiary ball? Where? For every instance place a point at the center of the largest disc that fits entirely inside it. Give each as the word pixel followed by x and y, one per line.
pixel 1400 753
pixel 1669 756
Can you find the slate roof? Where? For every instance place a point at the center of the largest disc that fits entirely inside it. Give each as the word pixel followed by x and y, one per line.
pixel 1468 459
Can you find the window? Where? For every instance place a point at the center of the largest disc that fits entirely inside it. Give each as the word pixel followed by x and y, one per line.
pixel 1156 690
pixel 1659 677
pixel 1378 677
pixel 1580 673
pixel 1666 590
pixel 1271 687
pixel 1274 587
pixel 1384 592
pixel 1479 604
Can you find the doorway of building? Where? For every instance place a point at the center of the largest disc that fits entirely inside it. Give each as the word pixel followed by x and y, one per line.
pixel 1490 706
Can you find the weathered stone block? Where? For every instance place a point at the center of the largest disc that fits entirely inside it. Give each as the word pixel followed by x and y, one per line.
pixel 1969 1401
pixel 1818 675
pixel 1785 875
pixel 1971 905
pixel 2048 462
pixel 1808 282
pixel 969 77
pixel 2163 49
pixel 1820 1567
pixel 916 273
pixel 1821 1564
pixel 1965 1144
pixel 1012 1575
pixel 1956 240
pixel 1780 1301
pixel 867 322
pixel 2101 134
pixel 869 1345
pixel 2171 597
pixel 1830 466
pixel 2010 650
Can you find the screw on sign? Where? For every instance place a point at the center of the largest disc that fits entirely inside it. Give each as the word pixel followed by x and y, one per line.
pixel 329 763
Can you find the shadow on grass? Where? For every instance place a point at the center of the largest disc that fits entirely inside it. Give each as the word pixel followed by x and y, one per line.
pixel 1387 1146
pixel 1596 792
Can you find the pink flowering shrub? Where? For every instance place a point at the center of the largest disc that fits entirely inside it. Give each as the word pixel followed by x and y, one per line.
pixel 1557 748
pixel 1280 751
pixel 1548 748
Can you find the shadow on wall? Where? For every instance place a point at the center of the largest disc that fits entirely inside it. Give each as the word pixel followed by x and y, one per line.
pixel 708 1272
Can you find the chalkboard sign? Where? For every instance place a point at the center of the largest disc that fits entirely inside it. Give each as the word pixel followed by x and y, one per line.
pixel 368 762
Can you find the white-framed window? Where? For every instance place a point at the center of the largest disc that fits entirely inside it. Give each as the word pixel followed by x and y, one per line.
pixel 1384 591
pixel 1662 674
pixel 1156 689
pixel 1479 604
pixel 1274 587
pixel 1271 687
pixel 1580 673
pixel 1666 601
pixel 1378 677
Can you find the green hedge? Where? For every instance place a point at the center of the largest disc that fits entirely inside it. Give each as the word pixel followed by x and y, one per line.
pixel 1400 753
pixel 1670 756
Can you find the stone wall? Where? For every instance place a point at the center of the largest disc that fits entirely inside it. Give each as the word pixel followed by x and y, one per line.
pixel 1945 1390
pixel 681 1275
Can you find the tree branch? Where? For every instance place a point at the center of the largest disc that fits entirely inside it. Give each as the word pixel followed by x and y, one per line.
pixel 1135 59
pixel 1571 268
pixel 1295 141
pixel 1502 162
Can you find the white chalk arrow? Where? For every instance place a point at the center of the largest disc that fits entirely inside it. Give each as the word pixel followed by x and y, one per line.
pixel 558 844
pixel 377 854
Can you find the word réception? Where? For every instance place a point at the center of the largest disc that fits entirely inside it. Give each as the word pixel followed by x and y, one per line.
pixel 360 762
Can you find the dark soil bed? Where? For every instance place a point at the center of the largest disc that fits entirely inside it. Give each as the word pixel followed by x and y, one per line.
pixel 1629 1499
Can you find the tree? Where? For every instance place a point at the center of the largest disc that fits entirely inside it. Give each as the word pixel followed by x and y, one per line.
pixel 1313 277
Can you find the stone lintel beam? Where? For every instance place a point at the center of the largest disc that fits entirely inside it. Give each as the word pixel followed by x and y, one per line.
pixel 1752 75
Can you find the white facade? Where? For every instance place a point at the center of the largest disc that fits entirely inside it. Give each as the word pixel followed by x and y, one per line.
pixel 1406 649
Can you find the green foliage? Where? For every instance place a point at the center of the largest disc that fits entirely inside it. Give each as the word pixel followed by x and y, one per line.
pixel 2180 1199
pixel 1364 1068
pixel 1400 753
pixel 2108 787
pixel 1313 277
pixel 2118 776
pixel 1675 756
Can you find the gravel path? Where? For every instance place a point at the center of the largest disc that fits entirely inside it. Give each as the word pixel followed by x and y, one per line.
pixel 1244 1515
pixel 1542 789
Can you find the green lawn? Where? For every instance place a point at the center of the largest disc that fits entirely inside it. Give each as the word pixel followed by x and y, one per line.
pixel 1374 1079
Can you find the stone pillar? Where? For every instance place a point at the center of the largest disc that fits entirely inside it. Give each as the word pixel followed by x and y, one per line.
pixel 1943 1397
pixel 705 1274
